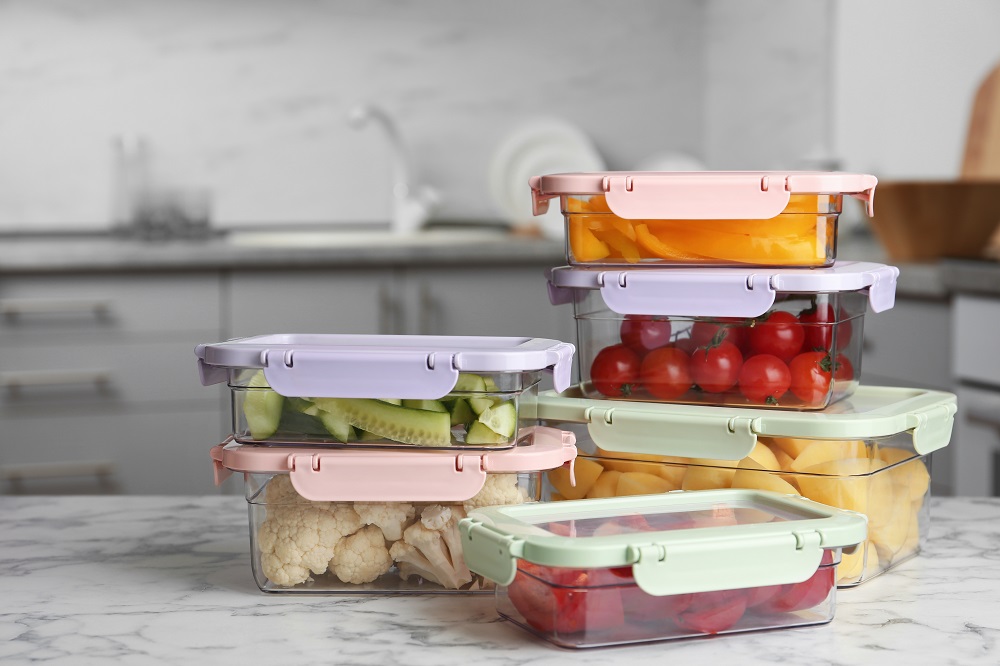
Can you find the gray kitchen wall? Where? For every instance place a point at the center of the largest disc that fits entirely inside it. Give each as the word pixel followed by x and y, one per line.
pixel 249 98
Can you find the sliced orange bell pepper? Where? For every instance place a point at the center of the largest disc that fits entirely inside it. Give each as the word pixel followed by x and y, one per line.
pixel 584 244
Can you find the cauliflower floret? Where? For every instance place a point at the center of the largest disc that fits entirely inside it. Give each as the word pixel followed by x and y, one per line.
pixel 424 551
pixel 499 489
pixel 391 517
pixel 298 538
pixel 361 557
pixel 281 491
pixel 444 519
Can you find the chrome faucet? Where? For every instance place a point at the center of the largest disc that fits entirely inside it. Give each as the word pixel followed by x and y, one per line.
pixel 411 205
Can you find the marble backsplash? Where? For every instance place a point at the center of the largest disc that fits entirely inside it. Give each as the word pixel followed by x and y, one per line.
pixel 249 98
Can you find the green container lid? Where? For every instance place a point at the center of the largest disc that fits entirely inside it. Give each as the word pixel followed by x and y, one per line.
pixel 677 542
pixel 729 433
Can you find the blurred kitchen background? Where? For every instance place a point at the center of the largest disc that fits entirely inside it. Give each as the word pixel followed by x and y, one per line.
pixel 170 174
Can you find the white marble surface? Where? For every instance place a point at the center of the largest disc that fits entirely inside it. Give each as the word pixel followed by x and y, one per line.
pixel 156 580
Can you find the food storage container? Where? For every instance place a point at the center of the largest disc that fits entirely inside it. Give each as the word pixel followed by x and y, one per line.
pixel 611 571
pixel 377 520
pixel 382 390
pixel 869 453
pixel 783 338
pixel 759 218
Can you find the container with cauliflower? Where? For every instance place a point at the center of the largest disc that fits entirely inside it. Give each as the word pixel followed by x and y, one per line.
pixel 378 520
pixel 869 454
pixel 357 391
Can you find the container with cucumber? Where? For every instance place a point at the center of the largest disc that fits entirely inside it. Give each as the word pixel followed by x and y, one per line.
pixel 475 413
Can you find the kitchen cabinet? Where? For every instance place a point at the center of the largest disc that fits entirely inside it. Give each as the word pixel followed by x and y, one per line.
pixel 450 300
pixel 976 469
pixel 91 372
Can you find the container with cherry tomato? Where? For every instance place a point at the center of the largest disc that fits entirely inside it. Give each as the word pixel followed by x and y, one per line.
pixel 598 572
pixel 782 338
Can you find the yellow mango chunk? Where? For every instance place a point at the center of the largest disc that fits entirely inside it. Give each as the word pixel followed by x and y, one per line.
pixel 673 474
pixel 641 483
pixel 606 485
pixel 823 450
pixel 840 483
pixel 709 474
pixel 760 458
pixel 762 480
pixel 587 472
pixel 852 565
pixel 908 471
pixel 791 446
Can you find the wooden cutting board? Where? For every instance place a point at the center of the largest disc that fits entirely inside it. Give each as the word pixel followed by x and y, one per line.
pixel 982 145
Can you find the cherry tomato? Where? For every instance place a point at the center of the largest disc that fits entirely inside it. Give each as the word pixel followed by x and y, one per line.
pixel 843 369
pixel 802 596
pixel 644 333
pixel 764 378
pixel 644 608
pixel 716 368
pixel 819 323
pixel 779 334
pixel 812 373
pixel 665 373
pixel 615 371
pixel 759 595
pixel 704 332
pixel 713 612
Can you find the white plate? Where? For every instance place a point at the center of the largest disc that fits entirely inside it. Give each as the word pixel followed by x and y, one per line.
pixel 536 148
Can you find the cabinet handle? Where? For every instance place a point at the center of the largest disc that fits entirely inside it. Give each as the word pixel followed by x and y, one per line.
pixel 15 308
pixel 15 382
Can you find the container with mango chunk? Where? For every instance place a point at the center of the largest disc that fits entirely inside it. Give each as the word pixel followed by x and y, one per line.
pixel 363 391
pixel 870 455
pixel 780 338
pixel 701 218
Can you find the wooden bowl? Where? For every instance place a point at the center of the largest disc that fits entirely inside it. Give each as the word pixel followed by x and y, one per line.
pixel 922 221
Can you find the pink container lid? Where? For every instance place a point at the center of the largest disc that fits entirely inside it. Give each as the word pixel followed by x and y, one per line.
pixel 700 195
pixel 395 475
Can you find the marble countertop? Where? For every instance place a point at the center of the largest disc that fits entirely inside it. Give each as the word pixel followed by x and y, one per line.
pixel 166 580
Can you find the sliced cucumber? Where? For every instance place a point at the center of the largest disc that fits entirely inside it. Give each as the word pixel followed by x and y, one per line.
pixel 400 424
pixel 429 405
pixel 336 426
pixel 365 436
pixel 480 404
pixel 296 425
pixel 391 401
pixel 303 405
pixel 479 433
pixel 461 413
pixel 490 384
pixel 262 407
pixel 468 382
pixel 501 418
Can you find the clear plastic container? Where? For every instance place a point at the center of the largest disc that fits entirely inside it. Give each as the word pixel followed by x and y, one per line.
pixel 701 218
pixel 785 339
pixel 873 457
pixel 614 571
pixel 382 391
pixel 378 521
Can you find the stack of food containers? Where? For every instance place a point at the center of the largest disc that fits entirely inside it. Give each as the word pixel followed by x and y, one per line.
pixel 719 347
pixel 362 453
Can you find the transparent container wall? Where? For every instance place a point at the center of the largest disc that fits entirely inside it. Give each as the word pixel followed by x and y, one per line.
pixel 804 234
pixel 803 354
pixel 300 546
pixel 883 478
pixel 579 608
pixel 488 416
